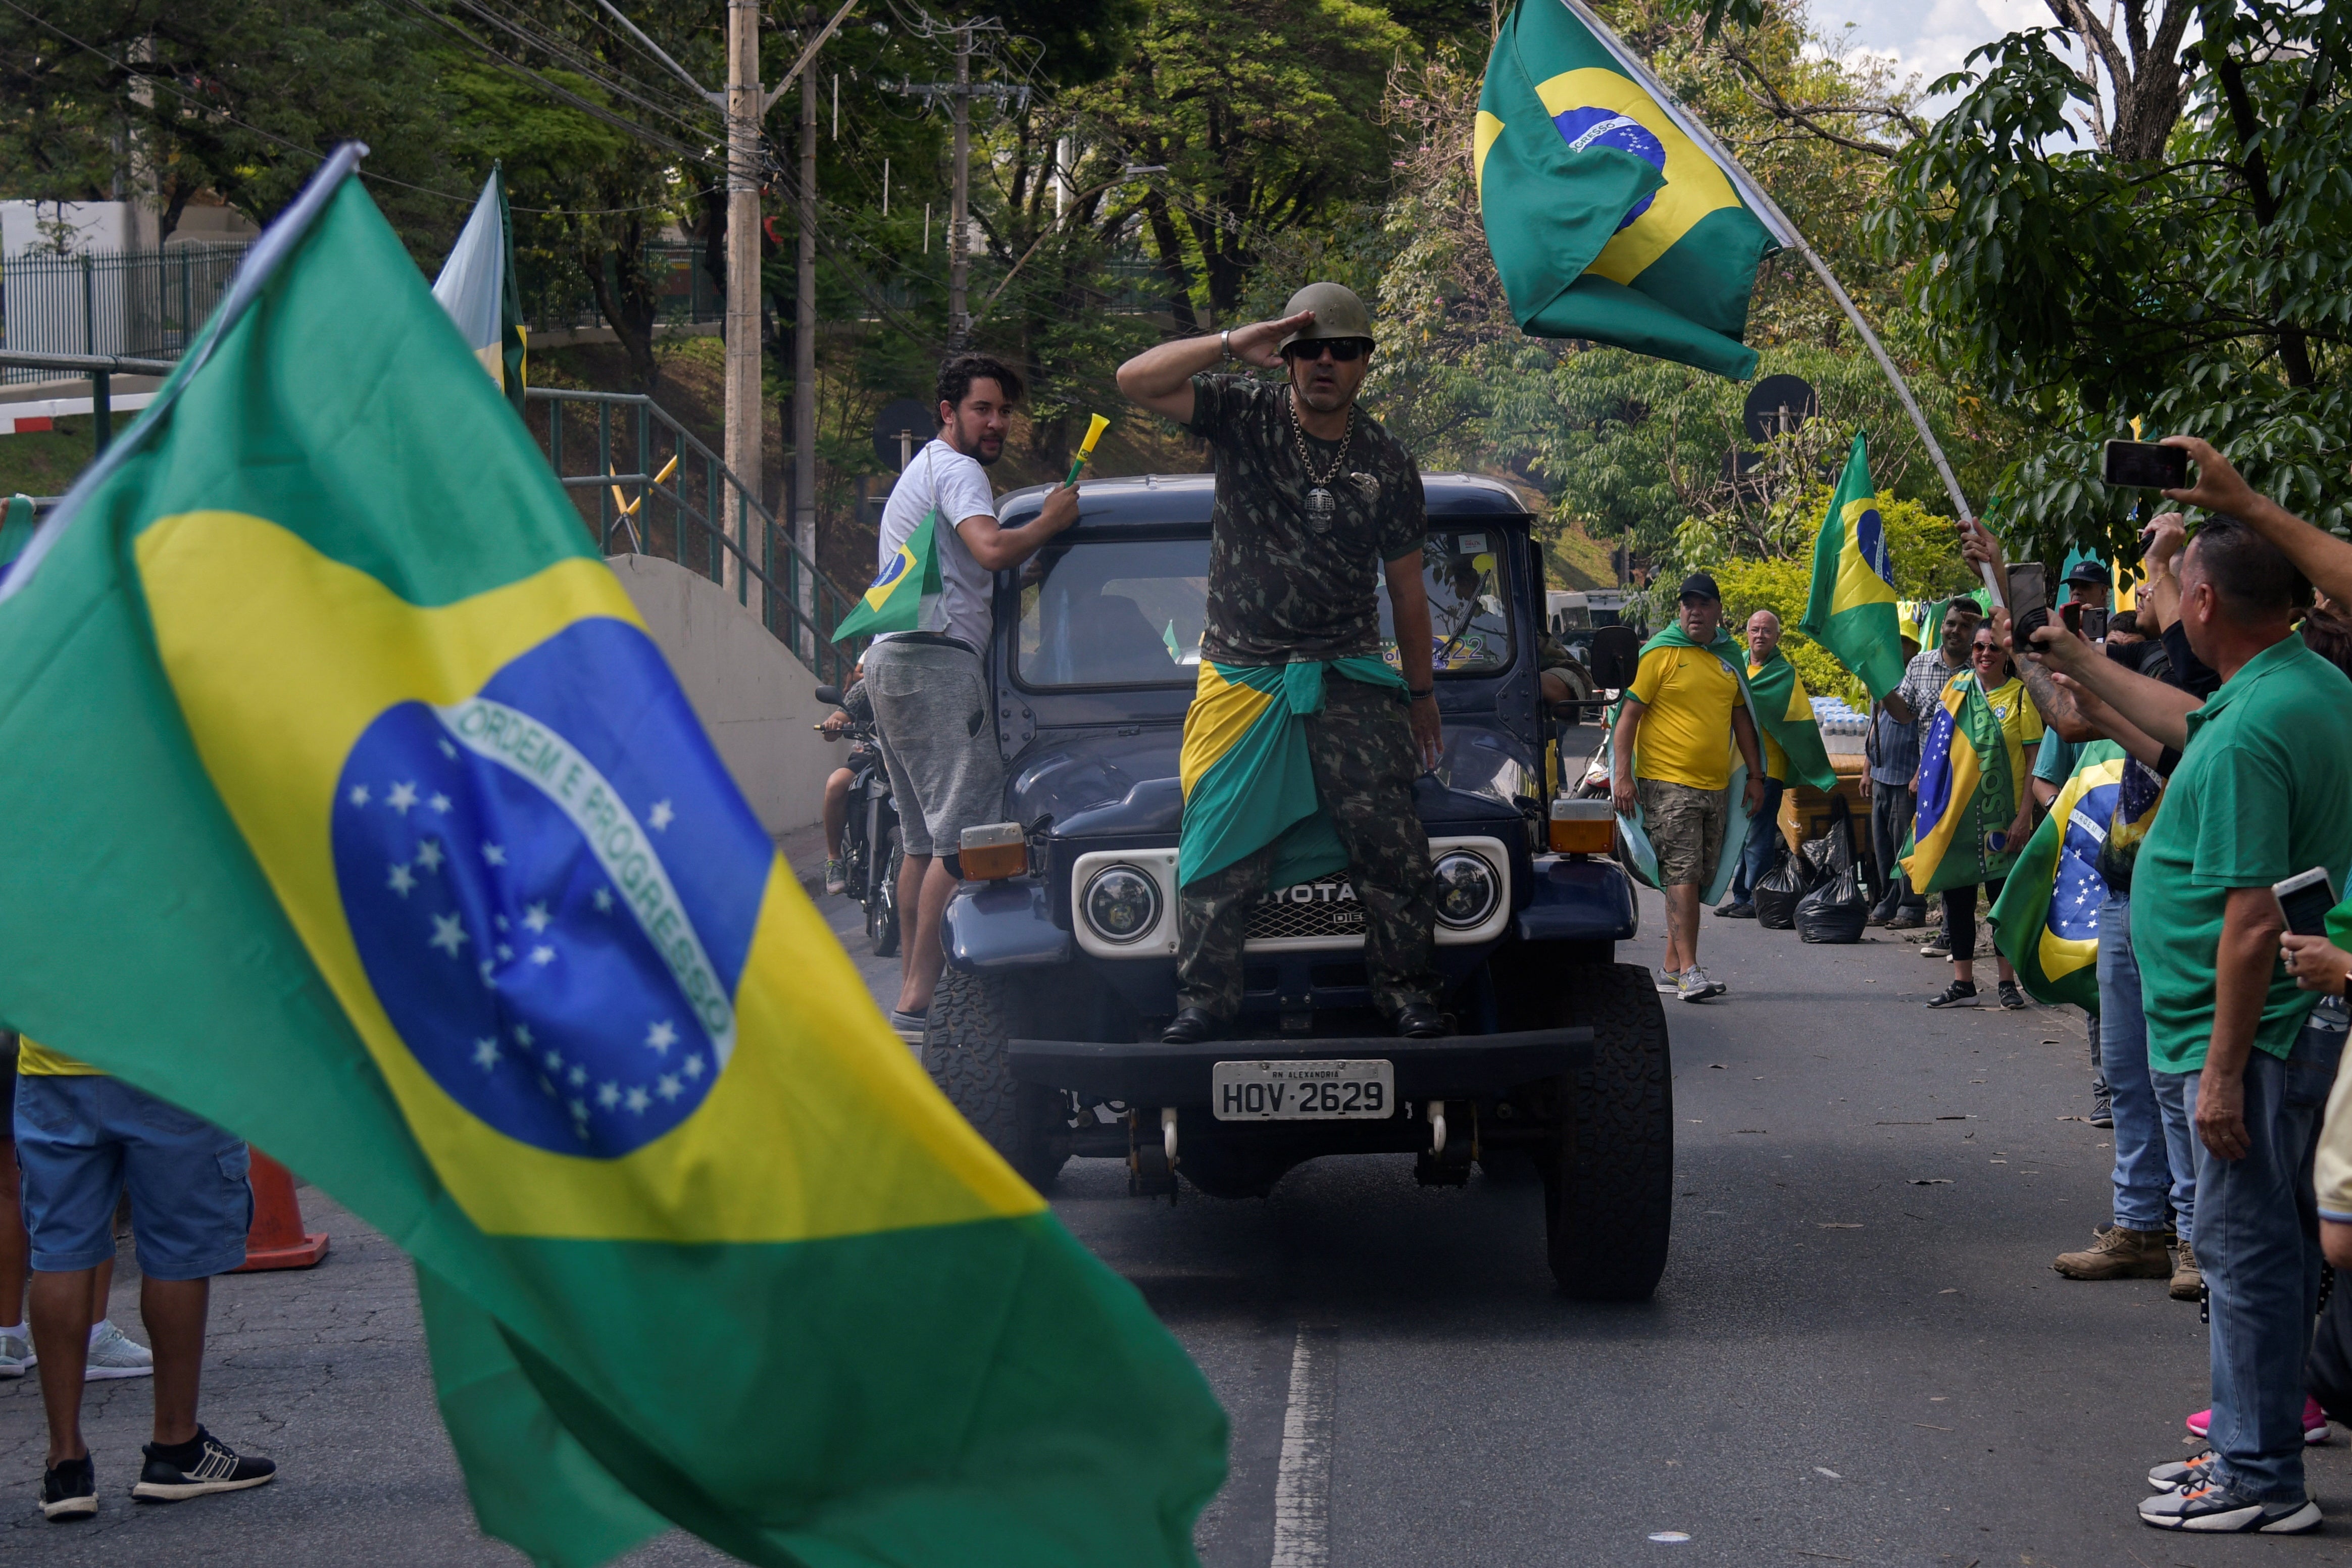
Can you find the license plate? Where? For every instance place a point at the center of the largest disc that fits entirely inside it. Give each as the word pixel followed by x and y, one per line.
pixel 1304 1090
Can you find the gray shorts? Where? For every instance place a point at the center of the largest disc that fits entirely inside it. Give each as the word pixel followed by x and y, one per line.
pixel 931 703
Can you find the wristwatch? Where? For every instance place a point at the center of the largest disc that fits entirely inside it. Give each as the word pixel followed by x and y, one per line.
pixel 1424 692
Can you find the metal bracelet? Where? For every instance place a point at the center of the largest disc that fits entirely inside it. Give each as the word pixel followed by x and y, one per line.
pixel 1225 341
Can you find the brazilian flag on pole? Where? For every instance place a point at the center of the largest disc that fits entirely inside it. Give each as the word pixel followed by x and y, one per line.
pixel 374 827
pixel 478 288
pixel 894 601
pixel 2046 921
pixel 1852 610
pixel 1609 218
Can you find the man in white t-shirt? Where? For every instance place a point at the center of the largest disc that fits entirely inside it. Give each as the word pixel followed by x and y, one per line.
pixel 929 685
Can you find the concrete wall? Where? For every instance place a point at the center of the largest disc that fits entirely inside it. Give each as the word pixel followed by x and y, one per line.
pixel 748 691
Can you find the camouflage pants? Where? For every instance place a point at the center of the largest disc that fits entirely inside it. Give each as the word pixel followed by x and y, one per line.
pixel 1363 754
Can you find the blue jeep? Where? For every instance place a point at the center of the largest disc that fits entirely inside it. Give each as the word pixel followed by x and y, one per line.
pixel 1061 969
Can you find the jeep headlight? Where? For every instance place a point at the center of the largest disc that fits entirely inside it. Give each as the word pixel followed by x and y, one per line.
pixel 1467 890
pixel 1121 903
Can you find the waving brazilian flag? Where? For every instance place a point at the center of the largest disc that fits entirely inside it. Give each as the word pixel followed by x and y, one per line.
pixel 1852 612
pixel 2046 921
pixel 1970 769
pixel 373 826
pixel 1608 216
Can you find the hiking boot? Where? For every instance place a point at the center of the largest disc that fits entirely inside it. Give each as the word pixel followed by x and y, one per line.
pixel 2117 1254
pixel 1958 994
pixel 2209 1506
pixel 1907 920
pixel 2187 1280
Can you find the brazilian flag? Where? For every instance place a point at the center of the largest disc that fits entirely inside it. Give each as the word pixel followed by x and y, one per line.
pixel 1785 712
pixel 1609 219
pixel 478 289
pixel 1852 612
pixel 374 827
pixel 894 601
pixel 2046 921
pixel 1971 771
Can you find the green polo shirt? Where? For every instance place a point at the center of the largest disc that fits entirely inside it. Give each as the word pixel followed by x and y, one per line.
pixel 2264 790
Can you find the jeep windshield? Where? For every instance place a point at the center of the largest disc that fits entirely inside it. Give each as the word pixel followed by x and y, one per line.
pixel 1129 612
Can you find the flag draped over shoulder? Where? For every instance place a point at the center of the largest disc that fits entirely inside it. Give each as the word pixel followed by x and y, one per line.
pixel 1852 610
pixel 1641 859
pixel 375 828
pixel 2046 921
pixel 1244 772
pixel 1971 771
pixel 478 288
pixel 1785 714
pixel 1608 220
pixel 894 601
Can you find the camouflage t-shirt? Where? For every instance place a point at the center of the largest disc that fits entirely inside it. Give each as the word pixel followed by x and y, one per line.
pixel 1285 584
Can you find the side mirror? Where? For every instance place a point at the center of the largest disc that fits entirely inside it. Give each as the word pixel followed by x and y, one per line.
pixel 829 694
pixel 1616 654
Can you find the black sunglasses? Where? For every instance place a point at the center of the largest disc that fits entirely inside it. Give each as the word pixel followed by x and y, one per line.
pixel 1343 350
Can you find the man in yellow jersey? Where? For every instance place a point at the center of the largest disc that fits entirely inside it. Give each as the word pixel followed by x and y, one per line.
pixel 1672 749
pixel 82 1139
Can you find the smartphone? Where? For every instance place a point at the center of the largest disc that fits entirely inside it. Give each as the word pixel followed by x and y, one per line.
pixel 2146 465
pixel 2029 602
pixel 2086 621
pixel 2304 899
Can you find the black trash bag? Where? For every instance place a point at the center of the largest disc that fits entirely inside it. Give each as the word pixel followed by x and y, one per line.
pixel 2327 1370
pixel 1832 851
pixel 1834 911
pixel 1777 896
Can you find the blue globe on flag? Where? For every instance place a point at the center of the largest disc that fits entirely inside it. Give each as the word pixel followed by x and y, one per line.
pixel 1589 127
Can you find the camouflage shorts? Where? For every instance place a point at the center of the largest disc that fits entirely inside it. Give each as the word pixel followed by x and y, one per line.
pixel 1686 829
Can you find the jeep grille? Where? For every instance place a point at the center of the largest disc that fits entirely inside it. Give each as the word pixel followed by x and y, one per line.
pixel 1326 907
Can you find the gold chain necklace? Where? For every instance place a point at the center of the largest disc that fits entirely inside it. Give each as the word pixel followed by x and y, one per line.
pixel 1319 504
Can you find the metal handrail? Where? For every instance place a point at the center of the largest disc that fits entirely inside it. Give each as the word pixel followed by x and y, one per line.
pixel 798 603
pixel 101 370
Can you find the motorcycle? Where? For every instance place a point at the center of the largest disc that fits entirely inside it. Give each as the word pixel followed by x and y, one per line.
pixel 871 852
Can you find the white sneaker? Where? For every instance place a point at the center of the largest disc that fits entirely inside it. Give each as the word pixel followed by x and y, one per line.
pixel 16 1357
pixel 113 1354
pixel 1697 987
pixel 1669 982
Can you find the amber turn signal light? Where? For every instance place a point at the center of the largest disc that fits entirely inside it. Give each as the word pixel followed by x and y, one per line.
pixel 993 852
pixel 1582 827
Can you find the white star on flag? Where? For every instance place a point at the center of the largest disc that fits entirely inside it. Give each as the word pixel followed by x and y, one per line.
pixel 403 881
pixel 536 917
pixel 500 920
pixel 577 1077
pixel 694 1066
pixel 439 802
pixel 488 979
pixel 543 955
pixel 668 1088
pixel 523 1036
pixel 505 952
pixel 447 750
pixel 661 1035
pixel 493 854
pixel 554 1060
pixel 486 1052
pixel 448 934
pixel 428 855
pixel 359 795
pixel 608 1096
pixel 401 798
pixel 580 1109
pixel 604 900
pixel 638 1100
pixel 661 817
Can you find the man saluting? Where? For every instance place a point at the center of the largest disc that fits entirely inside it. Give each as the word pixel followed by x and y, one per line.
pixel 1314 503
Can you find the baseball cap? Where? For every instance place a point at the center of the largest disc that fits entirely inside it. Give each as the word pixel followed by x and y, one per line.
pixel 1338 313
pixel 2092 572
pixel 1700 584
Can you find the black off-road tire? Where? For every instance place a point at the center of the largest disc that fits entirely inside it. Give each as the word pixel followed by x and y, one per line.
pixel 1609 1170
pixel 882 896
pixel 963 1051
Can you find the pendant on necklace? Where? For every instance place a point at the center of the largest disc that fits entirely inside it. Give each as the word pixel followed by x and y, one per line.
pixel 1319 507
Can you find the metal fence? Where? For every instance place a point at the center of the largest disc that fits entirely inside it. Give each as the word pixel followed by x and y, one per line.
pixel 147 304
pixel 556 295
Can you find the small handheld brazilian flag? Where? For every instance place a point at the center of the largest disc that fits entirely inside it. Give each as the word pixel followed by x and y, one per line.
pixel 893 601
pixel 375 827
pixel 1852 612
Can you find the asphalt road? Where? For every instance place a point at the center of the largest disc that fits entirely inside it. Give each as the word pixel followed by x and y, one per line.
pixel 1840 1366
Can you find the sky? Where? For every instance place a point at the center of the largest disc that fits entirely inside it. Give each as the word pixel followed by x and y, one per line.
pixel 1929 37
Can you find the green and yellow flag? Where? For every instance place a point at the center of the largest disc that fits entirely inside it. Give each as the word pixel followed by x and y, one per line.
pixel 2046 921
pixel 1970 769
pixel 1784 712
pixel 1852 612
pixel 374 827
pixel 1609 218
pixel 893 601
pixel 478 288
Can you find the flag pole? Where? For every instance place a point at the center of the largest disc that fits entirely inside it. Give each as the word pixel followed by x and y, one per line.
pixel 1781 229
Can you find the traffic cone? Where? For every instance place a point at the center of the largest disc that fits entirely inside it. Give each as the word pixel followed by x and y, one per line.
pixel 278 1239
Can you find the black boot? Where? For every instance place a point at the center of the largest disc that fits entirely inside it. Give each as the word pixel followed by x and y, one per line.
pixel 1419 1021
pixel 1192 1026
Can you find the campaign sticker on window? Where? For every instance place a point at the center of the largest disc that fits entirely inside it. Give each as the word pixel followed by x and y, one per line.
pixel 1471 544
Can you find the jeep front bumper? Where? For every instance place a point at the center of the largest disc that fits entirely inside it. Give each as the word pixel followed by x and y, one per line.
pixel 1451 1067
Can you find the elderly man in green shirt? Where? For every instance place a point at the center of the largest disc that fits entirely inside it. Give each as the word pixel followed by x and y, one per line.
pixel 2262 790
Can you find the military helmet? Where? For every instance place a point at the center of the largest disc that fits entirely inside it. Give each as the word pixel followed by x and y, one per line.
pixel 1338 314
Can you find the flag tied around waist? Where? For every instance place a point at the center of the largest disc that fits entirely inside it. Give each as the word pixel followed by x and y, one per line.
pixel 375 828
pixel 2046 921
pixel 1244 770
pixel 1970 769
pixel 1851 609
pixel 1785 714
pixel 1607 220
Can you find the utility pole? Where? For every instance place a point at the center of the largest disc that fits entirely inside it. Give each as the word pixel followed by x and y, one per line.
pixel 959 319
pixel 743 316
pixel 804 350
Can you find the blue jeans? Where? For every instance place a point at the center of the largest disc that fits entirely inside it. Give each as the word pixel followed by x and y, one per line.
pixel 2146 1171
pixel 2258 1246
pixel 1764 845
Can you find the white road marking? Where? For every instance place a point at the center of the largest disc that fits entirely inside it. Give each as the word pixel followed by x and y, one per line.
pixel 1302 1483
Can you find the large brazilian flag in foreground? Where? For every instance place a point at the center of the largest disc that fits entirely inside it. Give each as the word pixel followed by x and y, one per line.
pixel 1852 610
pixel 373 826
pixel 1607 218
pixel 2046 921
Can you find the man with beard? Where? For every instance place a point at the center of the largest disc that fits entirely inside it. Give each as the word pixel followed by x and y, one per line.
pixel 930 694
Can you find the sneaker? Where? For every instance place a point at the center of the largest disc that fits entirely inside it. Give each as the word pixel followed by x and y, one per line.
pixel 1735 912
pixel 1907 920
pixel 2102 1111
pixel 202 1464
pixel 2118 1253
pixel 16 1357
pixel 2011 998
pixel 1936 947
pixel 1958 994
pixel 2187 1280
pixel 837 875
pixel 909 1027
pixel 113 1354
pixel 70 1492
pixel 1697 987
pixel 2314 1424
pixel 2189 1471
pixel 1670 983
pixel 2211 1506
